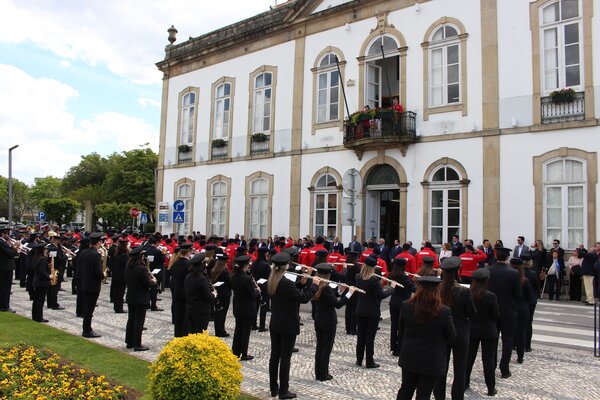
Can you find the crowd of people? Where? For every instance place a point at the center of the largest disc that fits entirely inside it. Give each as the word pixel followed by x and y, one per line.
pixel 442 303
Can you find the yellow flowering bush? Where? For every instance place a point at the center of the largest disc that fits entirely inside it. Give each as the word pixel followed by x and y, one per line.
pixel 195 367
pixel 29 373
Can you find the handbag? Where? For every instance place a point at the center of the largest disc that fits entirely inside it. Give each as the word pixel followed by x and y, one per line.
pixel 552 270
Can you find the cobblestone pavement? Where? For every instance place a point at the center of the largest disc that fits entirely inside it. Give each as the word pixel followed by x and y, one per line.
pixel 549 372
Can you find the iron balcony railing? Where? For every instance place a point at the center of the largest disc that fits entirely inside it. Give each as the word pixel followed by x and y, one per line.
pixel 565 111
pixel 387 125
pixel 260 146
pixel 219 153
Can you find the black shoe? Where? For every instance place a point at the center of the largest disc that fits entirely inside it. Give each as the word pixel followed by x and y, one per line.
pixel 247 358
pixel 520 360
pixel 353 333
pixel 274 392
pixel 373 365
pixel 396 354
pixel 295 350
pixel 156 309
pixel 8 310
pixel 254 328
pixel 43 320
pixel 130 346
pixel 359 363
pixel 492 392
pixel 528 350
pixel 144 328
pixel 79 315
pixel 263 329
pixel 90 335
pixel 121 312
pixel 506 375
pixel 327 377
pixel 141 348
pixel 158 299
pixel 58 308
pixel 288 395
pixel 223 335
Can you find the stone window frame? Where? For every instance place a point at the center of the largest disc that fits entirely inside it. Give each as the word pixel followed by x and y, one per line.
pixel 590 160
pixel 462 37
pixel 315 72
pixel 248 180
pixel 214 86
pixel 313 190
pixel 209 184
pixel 176 185
pixel 187 90
pixel 535 9
pixel 464 194
pixel 253 75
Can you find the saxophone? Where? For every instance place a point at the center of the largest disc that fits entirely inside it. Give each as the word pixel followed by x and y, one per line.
pixel 53 273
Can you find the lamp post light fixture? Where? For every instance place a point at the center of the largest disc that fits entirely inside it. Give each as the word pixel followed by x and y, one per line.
pixel 10 210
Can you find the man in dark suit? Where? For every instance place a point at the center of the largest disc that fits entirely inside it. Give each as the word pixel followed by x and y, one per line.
pixel 489 252
pixel 561 260
pixel 521 247
pixel 337 246
pixel 413 252
pixel 355 245
pixel 457 246
pixel 506 285
pixel 89 268
pixel 384 251
pixel 7 265
pixel 395 250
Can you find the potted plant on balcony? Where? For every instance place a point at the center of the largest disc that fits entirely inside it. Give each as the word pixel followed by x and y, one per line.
pixel 563 95
pixel 259 137
pixel 219 143
pixel 185 148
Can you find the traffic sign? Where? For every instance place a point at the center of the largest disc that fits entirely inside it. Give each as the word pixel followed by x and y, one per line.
pixel 41 216
pixel 178 217
pixel 134 212
pixel 178 205
pixel 352 182
pixel 143 218
pixel 163 218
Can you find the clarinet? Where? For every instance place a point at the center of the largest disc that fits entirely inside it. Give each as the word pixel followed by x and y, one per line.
pixel 218 306
pixel 262 302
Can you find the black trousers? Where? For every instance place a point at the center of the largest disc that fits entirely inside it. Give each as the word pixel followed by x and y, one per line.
pixel 412 381
pixel 241 335
pixel 521 333
pixel 197 322
pixel 575 287
pixel 529 327
pixel 350 315
pixel 135 324
pixel 507 327
pixel 553 287
pixel 220 316
pixel 459 363
pixel 118 292
pixel 79 304
pixel 37 309
pixel 179 318
pixel 52 296
pixel 325 339
pixel 29 285
pixel 367 328
pixel 487 358
pixel 153 297
pixel 88 300
pixel 281 355
pixel 5 284
pixel 395 317
pixel 262 312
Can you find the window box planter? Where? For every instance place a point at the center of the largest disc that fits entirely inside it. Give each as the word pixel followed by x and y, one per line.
pixel 260 137
pixel 185 148
pixel 562 96
pixel 219 143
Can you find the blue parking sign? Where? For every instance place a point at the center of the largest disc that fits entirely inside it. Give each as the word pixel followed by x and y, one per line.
pixel 41 216
pixel 143 218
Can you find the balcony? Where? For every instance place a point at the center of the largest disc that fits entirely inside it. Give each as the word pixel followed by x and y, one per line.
pixel 554 112
pixel 380 129
pixel 260 143
pixel 184 154
pixel 219 150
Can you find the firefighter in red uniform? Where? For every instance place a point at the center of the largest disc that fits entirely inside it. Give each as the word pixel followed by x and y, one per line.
pixel 368 251
pixel 427 251
pixel 411 263
pixel 469 261
pixel 310 259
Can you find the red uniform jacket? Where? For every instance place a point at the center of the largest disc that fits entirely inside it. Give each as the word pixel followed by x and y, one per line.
pixel 469 262
pixel 427 252
pixel 411 263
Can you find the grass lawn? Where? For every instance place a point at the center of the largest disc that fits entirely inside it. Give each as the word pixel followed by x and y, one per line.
pixel 117 366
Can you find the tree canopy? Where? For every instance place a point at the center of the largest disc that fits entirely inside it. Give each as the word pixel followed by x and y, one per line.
pixel 61 210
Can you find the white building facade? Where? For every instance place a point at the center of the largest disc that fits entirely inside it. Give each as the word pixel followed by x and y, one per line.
pixel 256 138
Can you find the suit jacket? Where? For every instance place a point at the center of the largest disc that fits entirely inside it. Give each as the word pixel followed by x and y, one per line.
pixel 41 273
pixel 7 256
pixel 198 296
pixel 423 347
pixel 484 322
pixel 138 285
pixel 401 294
pixel 89 269
pixel 463 309
pixel 118 265
pixel 505 284
pixel 524 250
pixel 355 246
pixel 339 247
pixel 534 281
pixel 158 260
pixel 384 253
pixel 179 271
pixel 244 295
pixel 368 304
pixel 325 315
pixel 457 249
pixel 284 303
pixel 224 290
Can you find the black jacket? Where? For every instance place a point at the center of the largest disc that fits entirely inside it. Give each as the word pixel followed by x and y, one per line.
pixel 7 256
pixel 118 265
pixel 325 315
pixel 89 269
pixel 138 285
pixel 587 265
pixel 179 271
pixel 505 284
pixel 484 323
pixel 41 273
pixel 224 290
pixel 423 347
pixel 244 295
pixel 261 270
pixel 534 281
pixel 400 294
pixel 463 309
pixel 284 302
pixel 198 296
pixel 369 304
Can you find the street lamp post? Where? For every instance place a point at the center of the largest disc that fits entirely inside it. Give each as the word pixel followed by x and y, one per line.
pixel 10 209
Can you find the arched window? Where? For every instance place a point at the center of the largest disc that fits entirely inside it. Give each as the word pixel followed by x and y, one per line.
pixel 564 201
pixel 218 208
pixel 326 206
pixel 188 117
pixel 262 103
pixel 259 208
pixel 444 205
pixel 222 108
pixel 328 89
pixel 445 68
pixel 382 72
pixel 184 193
pixel 562 45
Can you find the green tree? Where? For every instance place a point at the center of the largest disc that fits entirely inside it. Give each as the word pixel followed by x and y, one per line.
pixel 61 210
pixel 21 198
pixel 114 214
pixel 90 171
pixel 43 189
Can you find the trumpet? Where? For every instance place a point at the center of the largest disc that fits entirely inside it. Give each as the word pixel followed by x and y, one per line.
pixel 67 252
pixel 19 247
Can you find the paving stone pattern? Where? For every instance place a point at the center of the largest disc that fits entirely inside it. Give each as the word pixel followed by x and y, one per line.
pixel 547 373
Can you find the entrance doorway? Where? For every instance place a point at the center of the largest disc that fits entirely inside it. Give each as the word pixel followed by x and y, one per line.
pixel 382 204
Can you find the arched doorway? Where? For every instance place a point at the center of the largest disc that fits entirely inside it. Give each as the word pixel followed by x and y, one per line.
pixel 382 204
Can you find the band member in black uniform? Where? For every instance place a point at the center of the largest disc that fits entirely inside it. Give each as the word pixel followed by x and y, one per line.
pixel 219 273
pixel 352 268
pixel 89 267
pixel 179 270
pixel 459 299
pixel 399 295
pixel 368 311
pixel 29 269
pixel 483 329
pixel 426 328
pixel 110 263
pixel 522 308
pixel 198 295
pixel 427 267
pixel 118 283
pixel 157 261
pixel 40 281
pixel 84 243
pixel 139 281
pixel 7 265
pixel 245 293
pixel 60 261
pixel 260 269
pixel 534 281
pixel 326 303
pixel 506 285
pixel 285 323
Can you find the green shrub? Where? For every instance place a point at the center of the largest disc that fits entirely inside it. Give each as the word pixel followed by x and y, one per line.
pixel 195 367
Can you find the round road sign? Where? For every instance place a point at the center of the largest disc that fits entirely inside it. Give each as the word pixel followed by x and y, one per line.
pixel 134 212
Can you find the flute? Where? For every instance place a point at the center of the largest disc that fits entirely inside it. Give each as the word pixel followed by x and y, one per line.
pixel 383 278
pixel 326 281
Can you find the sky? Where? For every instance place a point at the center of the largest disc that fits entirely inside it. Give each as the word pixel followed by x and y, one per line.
pixel 78 77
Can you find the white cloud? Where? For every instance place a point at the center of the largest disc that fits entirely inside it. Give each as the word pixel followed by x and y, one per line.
pixel 127 36
pixel 34 113
pixel 145 102
pixel 65 63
